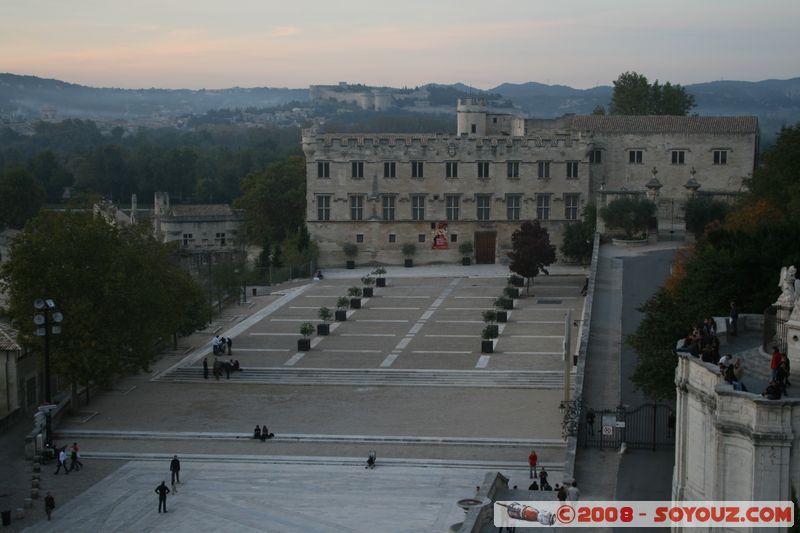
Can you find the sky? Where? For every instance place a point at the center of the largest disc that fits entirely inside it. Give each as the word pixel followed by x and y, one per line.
pixel 254 43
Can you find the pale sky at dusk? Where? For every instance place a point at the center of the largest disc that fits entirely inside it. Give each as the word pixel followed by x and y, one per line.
pixel 215 44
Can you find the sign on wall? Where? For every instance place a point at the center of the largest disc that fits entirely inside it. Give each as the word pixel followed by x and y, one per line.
pixel 440 238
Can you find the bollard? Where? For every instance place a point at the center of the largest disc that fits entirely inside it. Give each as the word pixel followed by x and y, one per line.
pixel 28 503
pixel 6 518
pixel 19 514
pixel 34 483
pixel 35 494
pixel 37 467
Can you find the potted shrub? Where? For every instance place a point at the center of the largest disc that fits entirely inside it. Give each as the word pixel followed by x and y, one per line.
pixel 341 308
pixel 490 317
pixel 516 281
pixel 350 251
pixel 511 292
pixel 304 344
pixel 368 282
pixel 409 249
pixel 465 248
pixel 355 297
pixel 379 272
pixel 325 315
pixel 487 339
pixel 504 303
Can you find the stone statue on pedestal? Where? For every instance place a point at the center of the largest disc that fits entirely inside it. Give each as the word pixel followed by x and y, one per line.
pixel 786 284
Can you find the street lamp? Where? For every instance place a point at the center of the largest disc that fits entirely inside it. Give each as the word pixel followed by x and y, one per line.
pixel 48 321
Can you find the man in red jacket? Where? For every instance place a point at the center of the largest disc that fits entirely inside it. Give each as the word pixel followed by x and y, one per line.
pixel 532 459
pixel 775 363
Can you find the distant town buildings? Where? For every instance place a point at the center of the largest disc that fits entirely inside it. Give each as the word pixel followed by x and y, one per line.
pixel 382 190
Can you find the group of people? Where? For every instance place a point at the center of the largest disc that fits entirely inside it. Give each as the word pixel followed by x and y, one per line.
pixel 779 375
pixel 222 345
pixel 262 433
pixel 74 457
pixel 732 371
pixel 702 342
pixel 219 367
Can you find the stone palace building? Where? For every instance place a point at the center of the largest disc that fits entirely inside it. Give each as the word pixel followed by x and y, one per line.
pixel 437 191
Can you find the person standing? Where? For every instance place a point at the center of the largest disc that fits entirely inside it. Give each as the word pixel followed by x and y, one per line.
pixel 573 494
pixel 229 343
pixel 734 317
pixel 175 468
pixel 49 504
pixel 162 492
pixel 62 461
pixel 532 460
pixel 775 362
pixel 542 478
pixel 75 461
pixel 215 344
pixel 205 368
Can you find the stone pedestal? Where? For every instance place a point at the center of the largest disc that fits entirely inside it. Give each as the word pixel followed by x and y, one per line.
pixel 792 328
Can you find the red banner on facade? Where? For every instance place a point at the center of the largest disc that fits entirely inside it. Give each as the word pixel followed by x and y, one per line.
pixel 440 239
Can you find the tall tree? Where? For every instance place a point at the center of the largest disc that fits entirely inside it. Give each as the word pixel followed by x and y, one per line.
pixel 631 214
pixel 579 236
pixel 634 95
pixel 531 251
pixel 21 196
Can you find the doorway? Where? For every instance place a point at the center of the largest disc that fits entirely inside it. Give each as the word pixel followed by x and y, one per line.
pixel 485 247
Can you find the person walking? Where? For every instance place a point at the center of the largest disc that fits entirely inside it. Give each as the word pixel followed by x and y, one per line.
pixel 75 461
pixel 175 468
pixel 162 492
pixel 205 368
pixel 532 460
pixel 734 320
pixel 62 461
pixel 542 478
pixel 49 504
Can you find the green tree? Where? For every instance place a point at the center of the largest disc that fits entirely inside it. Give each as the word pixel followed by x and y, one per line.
pixel 634 95
pixel 531 251
pixel 631 214
pixel 53 176
pixel 121 292
pixel 599 110
pixel 776 178
pixel 702 210
pixel 21 196
pixel 579 236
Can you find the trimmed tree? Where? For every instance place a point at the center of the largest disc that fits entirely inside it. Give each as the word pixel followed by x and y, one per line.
pixel 702 211
pixel 631 214
pixel 531 251
pixel 579 236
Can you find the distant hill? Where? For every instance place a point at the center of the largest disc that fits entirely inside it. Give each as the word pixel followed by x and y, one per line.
pixel 30 96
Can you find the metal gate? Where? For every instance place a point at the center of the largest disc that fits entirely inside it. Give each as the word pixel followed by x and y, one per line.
pixel 649 426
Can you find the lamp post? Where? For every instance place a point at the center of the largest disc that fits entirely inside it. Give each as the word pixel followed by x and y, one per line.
pixel 48 321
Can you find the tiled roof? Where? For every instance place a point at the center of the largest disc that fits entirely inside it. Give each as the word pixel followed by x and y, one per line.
pixel 214 210
pixel 664 124
pixel 8 338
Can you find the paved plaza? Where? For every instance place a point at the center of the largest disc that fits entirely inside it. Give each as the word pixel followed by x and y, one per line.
pixel 404 376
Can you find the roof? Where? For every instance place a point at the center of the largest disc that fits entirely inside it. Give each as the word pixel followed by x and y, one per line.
pixel 8 338
pixel 664 124
pixel 215 210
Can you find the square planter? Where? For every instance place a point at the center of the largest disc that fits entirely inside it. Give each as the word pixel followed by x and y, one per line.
pixel 340 315
pixel 303 345
pixel 512 292
pixel 518 281
pixel 323 329
pixel 509 305
pixel 408 263
pixel 380 282
pixel 367 292
pixel 351 265
pixel 355 303
pixel 495 329
pixel 487 346
pixel 502 316
pixel 466 261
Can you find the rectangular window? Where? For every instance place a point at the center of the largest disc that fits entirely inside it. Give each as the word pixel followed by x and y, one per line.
pixel 543 206
pixel 323 169
pixel 323 207
pixel 544 169
pixel 571 206
pixel 392 237
pixel 572 169
pixel 512 169
pixel 388 207
pixel 359 237
pixel 357 169
pixel 595 157
pixel 451 169
pixel 720 157
pixel 635 157
pixel 678 157
pixel 418 207
pixel 454 237
pixel 389 168
pixel 512 206
pixel 357 207
pixel 484 206
pixel 474 128
pixel 452 206
pixel 187 239
pixel 220 238
pixel 416 169
pixel 483 169
pixel 421 237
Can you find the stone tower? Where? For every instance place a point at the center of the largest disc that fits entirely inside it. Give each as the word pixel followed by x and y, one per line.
pixel 471 113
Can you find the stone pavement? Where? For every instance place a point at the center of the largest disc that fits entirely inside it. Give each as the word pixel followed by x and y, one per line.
pixel 459 427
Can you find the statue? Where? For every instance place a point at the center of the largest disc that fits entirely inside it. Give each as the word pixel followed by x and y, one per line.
pixel 786 285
